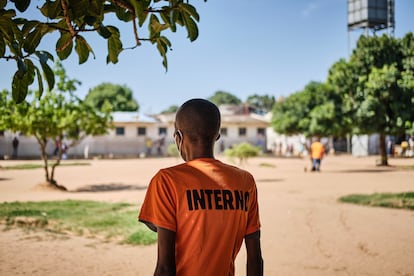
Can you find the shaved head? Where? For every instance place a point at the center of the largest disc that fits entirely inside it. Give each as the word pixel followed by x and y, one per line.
pixel 199 119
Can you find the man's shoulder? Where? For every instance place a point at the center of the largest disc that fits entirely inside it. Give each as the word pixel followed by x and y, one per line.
pixel 189 166
pixel 174 168
pixel 234 167
pixel 236 170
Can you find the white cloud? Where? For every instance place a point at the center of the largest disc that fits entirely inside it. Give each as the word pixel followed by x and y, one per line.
pixel 309 9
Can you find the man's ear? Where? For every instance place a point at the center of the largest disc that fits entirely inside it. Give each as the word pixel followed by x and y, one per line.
pixel 179 134
pixel 218 136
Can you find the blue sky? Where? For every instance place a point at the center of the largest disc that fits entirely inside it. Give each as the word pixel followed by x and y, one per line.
pixel 244 47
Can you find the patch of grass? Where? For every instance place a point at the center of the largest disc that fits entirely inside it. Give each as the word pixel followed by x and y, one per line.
pixel 38 166
pixel 389 200
pixel 404 167
pixel 264 164
pixel 110 221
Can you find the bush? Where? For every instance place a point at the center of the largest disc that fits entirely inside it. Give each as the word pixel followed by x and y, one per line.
pixel 242 151
pixel 172 150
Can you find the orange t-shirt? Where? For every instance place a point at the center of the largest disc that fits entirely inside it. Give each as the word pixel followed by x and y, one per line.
pixel 317 150
pixel 211 206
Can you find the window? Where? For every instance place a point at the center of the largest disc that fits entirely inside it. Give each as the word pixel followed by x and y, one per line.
pixel 242 131
pixel 119 131
pixel 223 131
pixel 261 131
pixel 1 132
pixel 162 131
pixel 141 131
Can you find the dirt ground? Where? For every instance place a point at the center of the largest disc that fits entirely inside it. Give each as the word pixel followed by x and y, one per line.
pixel 305 230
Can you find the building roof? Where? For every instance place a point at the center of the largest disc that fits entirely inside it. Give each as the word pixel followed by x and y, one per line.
pixel 245 119
pixel 229 114
pixel 131 117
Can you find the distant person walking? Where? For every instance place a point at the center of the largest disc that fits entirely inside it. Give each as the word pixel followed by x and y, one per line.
pixel 149 144
pixel 317 152
pixel 15 144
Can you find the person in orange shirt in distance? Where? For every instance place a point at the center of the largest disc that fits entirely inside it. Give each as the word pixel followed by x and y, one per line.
pixel 317 152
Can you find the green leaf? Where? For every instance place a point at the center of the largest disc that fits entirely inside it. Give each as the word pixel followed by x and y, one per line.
pixel 33 38
pixel 123 14
pixel 95 8
pixel 3 4
pixel 19 87
pixel 78 8
pixel 64 45
pixel 52 9
pixel 30 71
pixel 6 28
pixel 61 24
pixel 190 10
pixel 21 66
pixel 47 72
pixel 155 27
pixel 82 49
pixel 172 16
pixel 165 16
pixel 29 26
pixel 191 26
pixel 141 10
pixel 14 48
pixel 114 45
pixel 8 13
pixel 104 32
pixel 21 5
pixel 39 81
pixel 44 56
pixel 2 47
pixel 90 20
pixel 176 17
pixel 163 45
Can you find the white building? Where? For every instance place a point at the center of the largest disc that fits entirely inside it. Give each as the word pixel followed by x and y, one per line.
pixel 131 132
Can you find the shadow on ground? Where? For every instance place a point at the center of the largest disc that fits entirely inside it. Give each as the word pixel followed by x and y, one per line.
pixel 364 171
pixel 270 180
pixel 108 188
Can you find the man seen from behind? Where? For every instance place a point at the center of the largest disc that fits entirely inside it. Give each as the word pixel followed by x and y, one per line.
pixel 202 209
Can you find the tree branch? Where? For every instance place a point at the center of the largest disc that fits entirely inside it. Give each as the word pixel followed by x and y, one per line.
pixel 129 8
pixel 67 18
pixel 137 40
pixel 7 58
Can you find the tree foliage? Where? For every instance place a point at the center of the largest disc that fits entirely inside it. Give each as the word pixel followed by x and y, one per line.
pixel 221 97
pixel 314 111
pixel 372 92
pixel 381 87
pixel 385 91
pixel 58 117
pixel 171 109
pixel 119 97
pixel 20 37
pixel 262 103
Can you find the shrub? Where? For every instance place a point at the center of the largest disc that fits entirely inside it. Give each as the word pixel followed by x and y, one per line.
pixel 242 151
pixel 172 150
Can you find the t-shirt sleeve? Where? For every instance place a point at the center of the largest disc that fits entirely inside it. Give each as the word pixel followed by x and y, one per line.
pixel 253 220
pixel 159 206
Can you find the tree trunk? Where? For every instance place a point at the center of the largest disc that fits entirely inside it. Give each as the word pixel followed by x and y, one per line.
pixel 43 155
pixel 349 143
pixel 49 176
pixel 383 150
pixel 59 157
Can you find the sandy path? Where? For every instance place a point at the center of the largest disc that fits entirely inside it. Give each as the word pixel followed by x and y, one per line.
pixel 305 230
